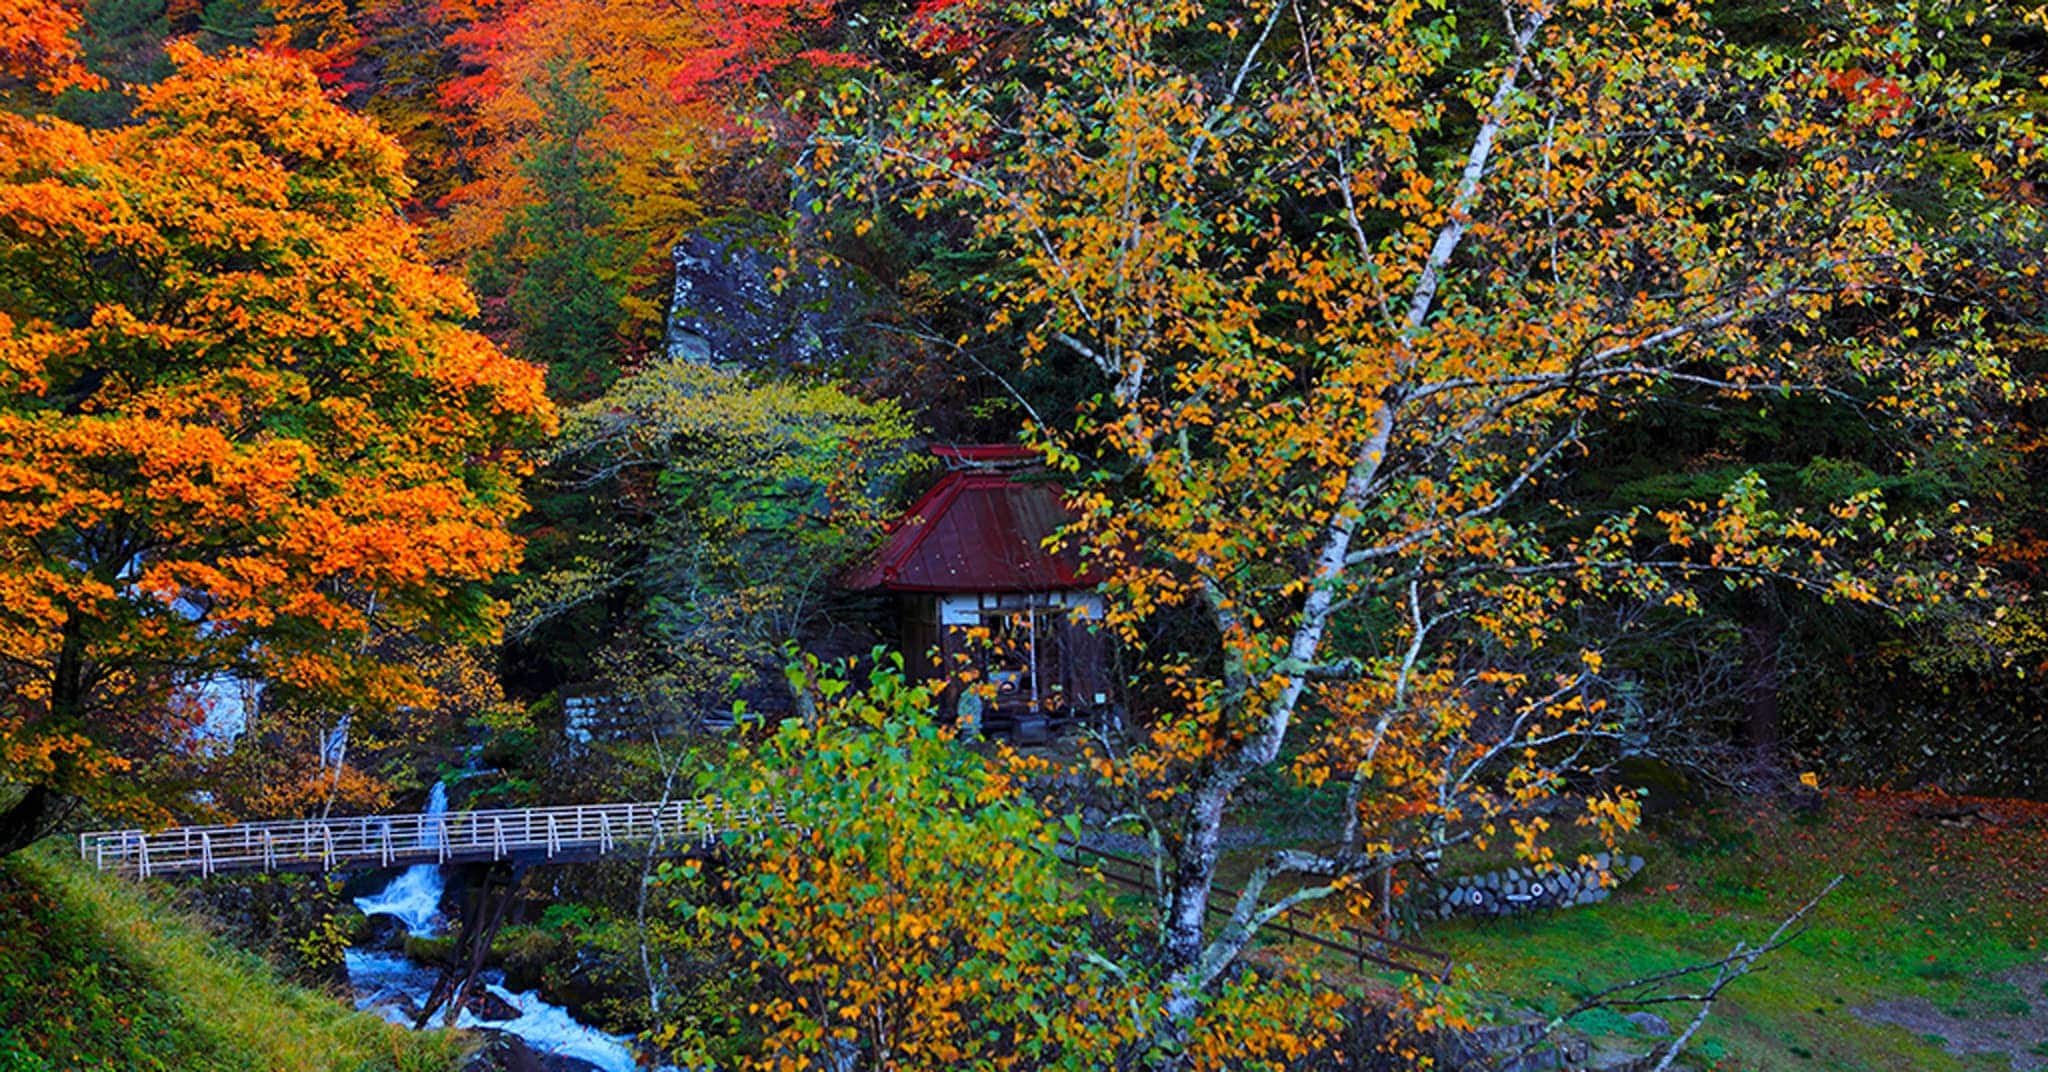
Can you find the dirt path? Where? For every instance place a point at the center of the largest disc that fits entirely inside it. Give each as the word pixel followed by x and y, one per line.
pixel 2018 1029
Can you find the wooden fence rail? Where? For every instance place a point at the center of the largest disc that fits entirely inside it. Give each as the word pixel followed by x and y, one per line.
pixel 1360 945
pixel 571 831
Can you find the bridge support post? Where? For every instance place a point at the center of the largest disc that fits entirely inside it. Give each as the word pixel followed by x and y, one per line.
pixel 491 888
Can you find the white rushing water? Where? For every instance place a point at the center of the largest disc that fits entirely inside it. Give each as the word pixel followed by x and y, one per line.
pixel 415 896
pixel 389 984
pixel 550 1029
pixel 393 986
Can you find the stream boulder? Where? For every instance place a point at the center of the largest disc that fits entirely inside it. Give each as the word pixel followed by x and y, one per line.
pixel 503 1052
pixel 381 932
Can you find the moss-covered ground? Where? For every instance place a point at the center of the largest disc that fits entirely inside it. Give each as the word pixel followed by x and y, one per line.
pixel 1947 916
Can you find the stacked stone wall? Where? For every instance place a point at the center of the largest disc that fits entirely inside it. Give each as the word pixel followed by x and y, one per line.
pixel 1523 889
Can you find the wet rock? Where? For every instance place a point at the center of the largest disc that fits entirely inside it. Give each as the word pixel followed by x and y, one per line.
pixel 1649 1023
pixel 436 949
pixel 485 1005
pixel 581 987
pixel 366 883
pixel 503 1052
pixel 381 932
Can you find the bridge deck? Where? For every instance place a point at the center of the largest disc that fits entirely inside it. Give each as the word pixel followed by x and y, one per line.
pixel 563 832
pixel 574 832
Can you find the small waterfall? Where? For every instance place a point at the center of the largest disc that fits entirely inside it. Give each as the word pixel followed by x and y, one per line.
pixel 392 985
pixel 415 896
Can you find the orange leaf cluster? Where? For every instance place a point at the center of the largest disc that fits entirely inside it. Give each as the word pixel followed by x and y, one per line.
pixel 244 428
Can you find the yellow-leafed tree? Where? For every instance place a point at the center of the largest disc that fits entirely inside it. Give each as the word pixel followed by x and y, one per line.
pixel 1361 280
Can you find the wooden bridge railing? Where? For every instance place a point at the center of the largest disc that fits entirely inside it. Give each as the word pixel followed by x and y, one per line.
pixel 581 831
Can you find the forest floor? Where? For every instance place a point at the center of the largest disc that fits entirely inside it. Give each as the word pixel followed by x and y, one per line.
pixel 99 974
pixel 1931 955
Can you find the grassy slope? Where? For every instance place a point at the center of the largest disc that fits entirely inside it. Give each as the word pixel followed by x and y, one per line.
pixel 1926 911
pixel 95 974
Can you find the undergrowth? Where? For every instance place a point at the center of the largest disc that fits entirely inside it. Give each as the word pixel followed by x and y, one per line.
pixel 98 974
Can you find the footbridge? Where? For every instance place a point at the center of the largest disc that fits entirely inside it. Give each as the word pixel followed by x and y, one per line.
pixel 499 844
pixel 562 833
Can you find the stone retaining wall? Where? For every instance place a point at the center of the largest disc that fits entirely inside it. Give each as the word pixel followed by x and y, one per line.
pixel 1520 889
pixel 1528 1047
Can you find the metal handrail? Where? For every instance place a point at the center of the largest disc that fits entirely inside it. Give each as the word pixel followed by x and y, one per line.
pixel 396 840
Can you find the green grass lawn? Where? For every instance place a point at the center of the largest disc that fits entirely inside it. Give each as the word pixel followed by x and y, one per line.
pixel 98 974
pixel 1926 911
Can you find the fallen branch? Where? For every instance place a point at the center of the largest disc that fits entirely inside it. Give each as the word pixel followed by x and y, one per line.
pixel 1739 962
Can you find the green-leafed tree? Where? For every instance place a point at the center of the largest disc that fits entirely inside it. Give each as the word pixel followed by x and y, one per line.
pixel 909 912
pixel 728 504
pixel 555 276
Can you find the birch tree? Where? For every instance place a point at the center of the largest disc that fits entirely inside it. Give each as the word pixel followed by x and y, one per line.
pixel 1361 280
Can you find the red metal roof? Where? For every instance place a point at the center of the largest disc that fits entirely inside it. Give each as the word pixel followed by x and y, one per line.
pixel 985 453
pixel 976 531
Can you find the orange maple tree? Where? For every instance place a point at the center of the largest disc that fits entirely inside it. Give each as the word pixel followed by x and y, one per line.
pixel 37 46
pixel 244 434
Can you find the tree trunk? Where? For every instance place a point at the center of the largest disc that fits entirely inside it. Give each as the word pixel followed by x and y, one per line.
pixel 1194 875
pixel 37 813
pixel 41 808
pixel 1762 638
pixel 1184 935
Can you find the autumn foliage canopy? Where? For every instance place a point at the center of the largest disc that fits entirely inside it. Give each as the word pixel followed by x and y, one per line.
pixel 243 430
pixel 1360 302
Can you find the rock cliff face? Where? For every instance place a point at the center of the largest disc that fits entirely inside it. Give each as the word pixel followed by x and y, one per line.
pixel 726 309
